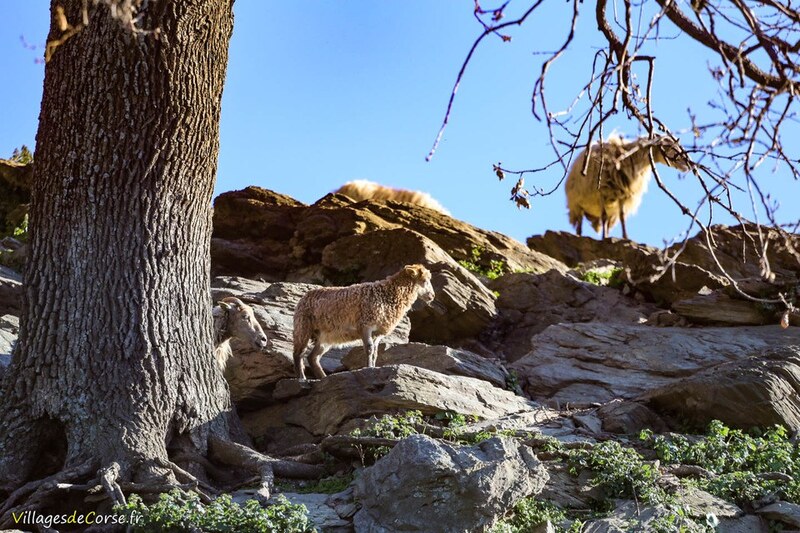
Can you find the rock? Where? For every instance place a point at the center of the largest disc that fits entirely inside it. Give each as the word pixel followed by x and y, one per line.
pixel 9 331
pixel 260 232
pixel 332 401
pixel 564 489
pixel 10 291
pixel 463 306
pixel 627 517
pixel 320 513
pixel 442 359
pixel 696 266
pixel 719 308
pixel 745 524
pixel 629 418
pixel 699 504
pixel 785 512
pixel 735 249
pixel 573 250
pixel 426 485
pixel 666 319
pixel 756 391
pixel 585 363
pixel 642 264
pixel 529 303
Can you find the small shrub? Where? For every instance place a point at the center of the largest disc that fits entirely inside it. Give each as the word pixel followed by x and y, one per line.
pixel 494 270
pixel 21 155
pixel 737 459
pixel 604 277
pixel 177 512
pixel 619 471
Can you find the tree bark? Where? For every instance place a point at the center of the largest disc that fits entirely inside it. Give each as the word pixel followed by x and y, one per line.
pixel 115 352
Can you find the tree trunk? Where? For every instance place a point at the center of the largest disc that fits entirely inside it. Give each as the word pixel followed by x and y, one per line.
pixel 114 356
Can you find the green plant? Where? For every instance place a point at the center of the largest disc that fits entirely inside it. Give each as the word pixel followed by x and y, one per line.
pixel 476 265
pixel 678 520
pixel 530 512
pixel 605 277
pixel 21 155
pixel 743 467
pixel 619 471
pixel 177 511
pixel 21 232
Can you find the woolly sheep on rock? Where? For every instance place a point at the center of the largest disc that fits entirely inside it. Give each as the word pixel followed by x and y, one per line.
pixel 616 178
pixel 331 316
pixel 360 190
pixel 234 318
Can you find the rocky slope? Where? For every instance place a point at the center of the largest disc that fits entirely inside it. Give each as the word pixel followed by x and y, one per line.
pixel 505 392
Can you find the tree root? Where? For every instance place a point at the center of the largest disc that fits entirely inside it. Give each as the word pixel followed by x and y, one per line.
pixel 347 447
pixel 199 486
pixel 266 467
pixel 41 490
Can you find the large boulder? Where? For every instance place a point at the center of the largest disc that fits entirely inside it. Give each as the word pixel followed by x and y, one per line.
pixel 697 265
pixel 529 303
pixel 463 306
pixel 9 331
pixel 442 359
pixel 717 307
pixel 429 486
pixel 643 264
pixel 598 362
pixel 755 392
pixel 10 291
pixel 262 233
pixel 329 403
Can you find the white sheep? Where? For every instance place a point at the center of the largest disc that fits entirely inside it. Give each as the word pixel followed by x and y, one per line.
pixel 331 316
pixel 234 318
pixel 616 179
pixel 360 190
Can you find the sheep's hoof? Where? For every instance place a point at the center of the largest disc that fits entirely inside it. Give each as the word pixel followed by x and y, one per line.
pixel 304 383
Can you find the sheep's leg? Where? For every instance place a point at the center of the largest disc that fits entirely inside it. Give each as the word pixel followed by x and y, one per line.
pixel 299 371
pixel 373 359
pixel 316 354
pixel 369 347
pixel 579 226
pixel 603 224
pixel 622 221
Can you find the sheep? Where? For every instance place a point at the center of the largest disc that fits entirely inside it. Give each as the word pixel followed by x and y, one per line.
pixel 234 318
pixel 360 190
pixel 616 179
pixel 331 316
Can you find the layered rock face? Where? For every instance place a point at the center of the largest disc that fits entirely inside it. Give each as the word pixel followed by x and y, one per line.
pixel 578 340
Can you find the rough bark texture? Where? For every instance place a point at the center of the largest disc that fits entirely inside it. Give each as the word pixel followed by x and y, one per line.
pixel 115 340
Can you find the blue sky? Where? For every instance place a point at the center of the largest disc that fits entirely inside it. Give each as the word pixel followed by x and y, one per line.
pixel 320 92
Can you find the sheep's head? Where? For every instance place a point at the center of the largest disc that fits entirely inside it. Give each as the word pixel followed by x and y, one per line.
pixel 422 279
pixel 669 152
pixel 241 322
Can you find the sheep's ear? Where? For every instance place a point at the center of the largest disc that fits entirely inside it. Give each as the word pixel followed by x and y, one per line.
pixel 411 271
pixel 226 306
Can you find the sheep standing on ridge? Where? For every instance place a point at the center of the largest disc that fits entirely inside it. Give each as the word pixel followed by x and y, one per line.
pixel 360 190
pixel 331 316
pixel 234 318
pixel 616 179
